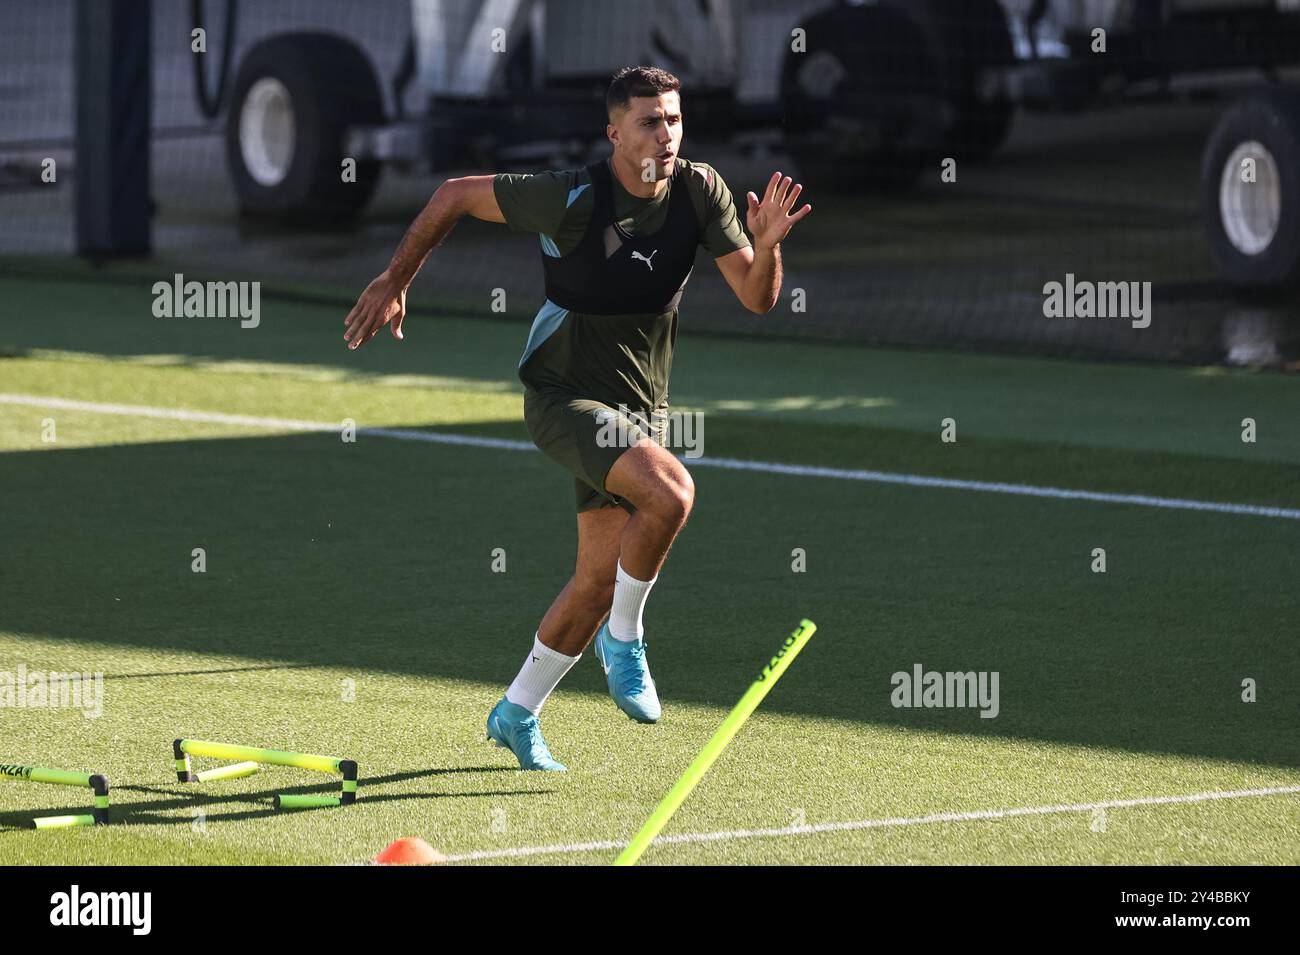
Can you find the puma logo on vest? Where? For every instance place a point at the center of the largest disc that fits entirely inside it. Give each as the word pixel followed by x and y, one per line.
pixel 638 255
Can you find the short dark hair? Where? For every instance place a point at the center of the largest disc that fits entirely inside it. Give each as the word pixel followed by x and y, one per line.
pixel 638 81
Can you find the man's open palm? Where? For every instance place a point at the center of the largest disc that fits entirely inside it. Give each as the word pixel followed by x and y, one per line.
pixel 769 220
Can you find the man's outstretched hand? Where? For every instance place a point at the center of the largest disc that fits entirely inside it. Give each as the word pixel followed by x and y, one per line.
pixel 382 302
pixel 770 221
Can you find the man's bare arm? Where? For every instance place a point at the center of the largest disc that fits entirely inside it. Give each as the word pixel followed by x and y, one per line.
pixel 754 274
pixel 471 195
pixel 384 300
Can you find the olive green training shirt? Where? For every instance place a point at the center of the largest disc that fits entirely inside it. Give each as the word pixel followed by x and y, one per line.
pixel 611 358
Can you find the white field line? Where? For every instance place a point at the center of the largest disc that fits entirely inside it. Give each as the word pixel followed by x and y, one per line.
pixel 798 470
pixel 979 815
pixel 286 424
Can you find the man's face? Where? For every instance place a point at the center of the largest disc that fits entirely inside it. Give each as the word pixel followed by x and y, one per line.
pixel 649 133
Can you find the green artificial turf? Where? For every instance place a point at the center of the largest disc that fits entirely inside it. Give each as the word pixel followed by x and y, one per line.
pixel 349 604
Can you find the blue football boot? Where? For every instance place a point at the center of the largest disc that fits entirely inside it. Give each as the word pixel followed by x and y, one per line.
pixel 628 675
pixel 516 729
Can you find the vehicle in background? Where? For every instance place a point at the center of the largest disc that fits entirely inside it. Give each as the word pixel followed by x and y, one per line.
pixel 861 95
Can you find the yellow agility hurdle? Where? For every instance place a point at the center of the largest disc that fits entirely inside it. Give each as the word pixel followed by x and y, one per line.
pixel 250 757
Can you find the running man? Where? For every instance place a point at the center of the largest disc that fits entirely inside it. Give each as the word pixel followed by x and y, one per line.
pixel 618 240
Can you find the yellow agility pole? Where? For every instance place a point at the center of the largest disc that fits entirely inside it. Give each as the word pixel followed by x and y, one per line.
pixel 287 801
pixel 273 757
pixel 96 782
pixel 63 822
pixel 251 756
pixel 233 771
pixel 714 747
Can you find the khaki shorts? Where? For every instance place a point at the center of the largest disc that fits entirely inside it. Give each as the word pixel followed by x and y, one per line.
pixel 586 437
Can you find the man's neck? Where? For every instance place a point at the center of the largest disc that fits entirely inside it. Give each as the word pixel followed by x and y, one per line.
pixel 630 179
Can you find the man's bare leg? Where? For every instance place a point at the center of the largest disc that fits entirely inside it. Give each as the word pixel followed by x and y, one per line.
pixel 613 549
pixel 565 632
pixel 581 606
pixel 662 491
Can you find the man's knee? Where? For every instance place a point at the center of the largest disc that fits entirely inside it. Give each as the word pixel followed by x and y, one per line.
pixel 655 482
pixel 594 591
pixel 674 498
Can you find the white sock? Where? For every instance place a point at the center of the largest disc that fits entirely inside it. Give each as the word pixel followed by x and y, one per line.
pixel 629 600
pixel 542 671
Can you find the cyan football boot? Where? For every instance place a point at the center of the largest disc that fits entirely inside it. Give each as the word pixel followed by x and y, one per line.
pixel 628 675
pixel 516 729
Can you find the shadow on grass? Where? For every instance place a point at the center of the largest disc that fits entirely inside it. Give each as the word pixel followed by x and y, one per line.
pixel 380 556
pixel 150 812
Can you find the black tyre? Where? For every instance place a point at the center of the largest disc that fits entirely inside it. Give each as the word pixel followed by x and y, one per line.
pixel 294 99
pixel 862 106
pixel 1253 228
pixel 973 42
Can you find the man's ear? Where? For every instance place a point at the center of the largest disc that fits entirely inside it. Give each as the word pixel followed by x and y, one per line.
pixel 611 133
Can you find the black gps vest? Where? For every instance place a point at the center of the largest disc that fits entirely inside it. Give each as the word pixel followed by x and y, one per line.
pixel 614 273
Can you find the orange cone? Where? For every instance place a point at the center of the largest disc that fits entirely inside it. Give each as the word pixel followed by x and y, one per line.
pixel 411 851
